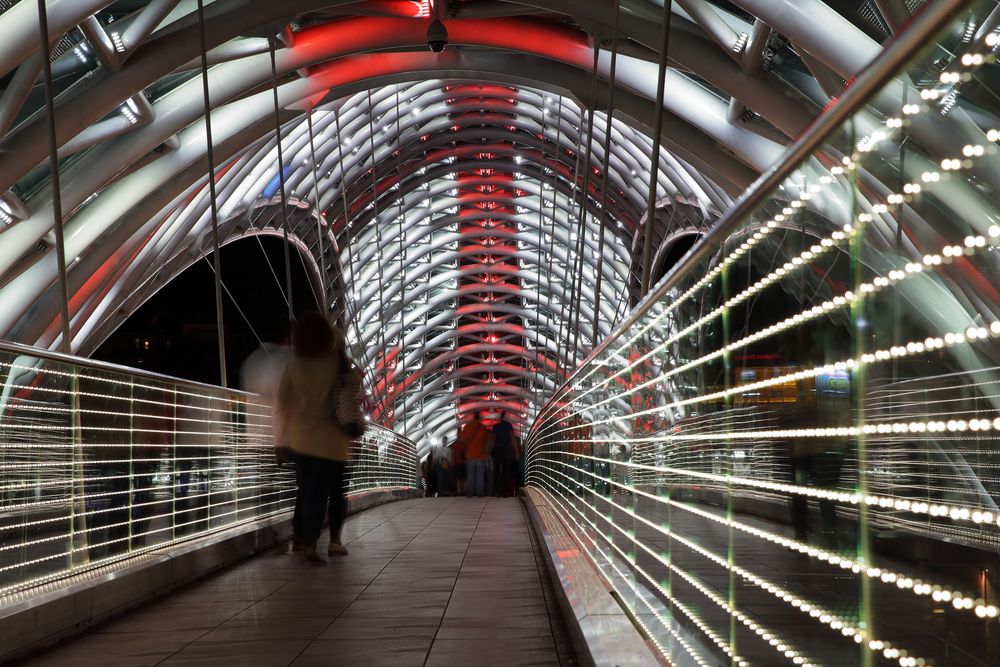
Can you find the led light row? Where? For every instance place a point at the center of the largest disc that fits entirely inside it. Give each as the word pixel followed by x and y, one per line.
pixel 259 417
pixel 245 444
pixel 951 426
pixel 782 646
pixel 240 463
pixel 766 635
pixel 946 77
pixel 912 347
pixel 971 244
pixel 933 509
pixel 556 501
pixel 903 582
pixel 113 429
pixel 826 617
pixel 789 267
pixel 74 550
pixel 956 513
pixel 73 570
pixel 263 411
pixel 225 396
pixel 95 564
pixel 368 473
pixel 721 643
pixel 845 627
pixel 249 504
pixel 848 298
pixel 278 484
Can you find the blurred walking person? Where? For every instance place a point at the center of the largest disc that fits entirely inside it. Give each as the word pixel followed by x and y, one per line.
pixel 475 437
pixel 503 456
pixel 319 442
pixel 458 466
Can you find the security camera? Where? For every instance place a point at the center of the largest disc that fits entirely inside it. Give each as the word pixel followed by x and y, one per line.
pixel 437 36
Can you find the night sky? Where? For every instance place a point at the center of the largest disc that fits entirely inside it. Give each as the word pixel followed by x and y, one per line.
pixel 175 331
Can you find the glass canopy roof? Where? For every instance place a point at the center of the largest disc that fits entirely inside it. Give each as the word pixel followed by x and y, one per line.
pixel 472 217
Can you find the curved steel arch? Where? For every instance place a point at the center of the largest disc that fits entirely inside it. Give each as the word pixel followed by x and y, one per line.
pixel 151 211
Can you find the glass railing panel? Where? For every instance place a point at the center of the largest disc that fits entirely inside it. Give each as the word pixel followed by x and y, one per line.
pixel 787 453
pixel 100 464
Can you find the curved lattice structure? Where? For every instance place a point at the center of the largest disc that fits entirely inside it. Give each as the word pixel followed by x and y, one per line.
pixel 472 217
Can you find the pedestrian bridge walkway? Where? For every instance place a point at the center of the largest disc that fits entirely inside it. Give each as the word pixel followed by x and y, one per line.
pixel 436 581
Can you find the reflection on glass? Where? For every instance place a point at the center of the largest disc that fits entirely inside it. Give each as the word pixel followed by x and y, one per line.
pixel 791 456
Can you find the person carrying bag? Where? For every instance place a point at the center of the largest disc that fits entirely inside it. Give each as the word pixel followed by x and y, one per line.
pixel 320 402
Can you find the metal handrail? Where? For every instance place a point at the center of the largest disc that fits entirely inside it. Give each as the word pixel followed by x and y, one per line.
pixel 42 353
pixel 928 22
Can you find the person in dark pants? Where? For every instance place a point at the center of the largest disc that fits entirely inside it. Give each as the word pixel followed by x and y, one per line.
pixel 458 466
pixel 503 456
pixel 318 441
pixel 818 468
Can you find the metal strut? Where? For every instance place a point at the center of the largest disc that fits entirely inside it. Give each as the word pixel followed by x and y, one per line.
pixel 219 322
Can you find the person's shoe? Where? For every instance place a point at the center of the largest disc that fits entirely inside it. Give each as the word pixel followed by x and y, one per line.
pixel 336 549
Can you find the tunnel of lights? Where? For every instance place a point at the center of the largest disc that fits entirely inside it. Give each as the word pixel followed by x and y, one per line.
pixel 463 250
pixel 482 225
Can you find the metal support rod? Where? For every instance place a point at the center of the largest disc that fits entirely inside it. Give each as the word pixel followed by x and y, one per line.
pixel 252 223
pixel 602 227
pixel 381 268
pixel 894 12
pixel 78 522
pixel 540 386
pixel 753 54
pixel 351 317
pixel 281 185
pixel 654 160
pixel 18 89
pixel 566 311
pixel 714 26
pixel 145 23
pixel 557 327
pixel 400 364
pixel 217 264
pixel 319 214
pixel 57 215
pixel 552 234
pixel 581 240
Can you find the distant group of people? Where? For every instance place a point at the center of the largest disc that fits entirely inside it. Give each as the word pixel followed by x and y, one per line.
pixel 482 461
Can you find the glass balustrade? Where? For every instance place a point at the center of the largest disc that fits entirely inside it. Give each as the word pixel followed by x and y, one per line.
pixel 790 452
pixel 100 465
